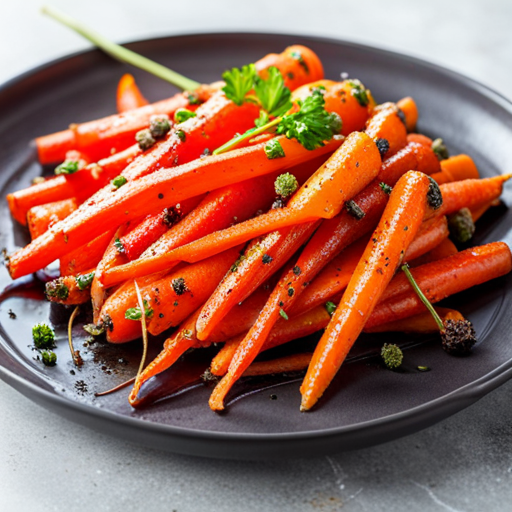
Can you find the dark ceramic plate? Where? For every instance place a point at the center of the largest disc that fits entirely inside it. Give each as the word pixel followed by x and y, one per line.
pixel 366 404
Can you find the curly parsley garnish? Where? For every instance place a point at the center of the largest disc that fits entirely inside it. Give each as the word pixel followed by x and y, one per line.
pixel 239 82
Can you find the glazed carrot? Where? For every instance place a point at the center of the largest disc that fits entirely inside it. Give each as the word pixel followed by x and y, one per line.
pixel 443 250
pixel 282 332
pixel 154 226
pixel 113 256
pixel 410 110
pixel 422 323
pixel 97 138
pixel 40 218
pixel 70 290
pixel 85 257
pixel 385 123
pixel 400 222
pixel 441 279
pixel 170 299
pixel 129 96
pixel 219 209
pixel 420 139
pixel 285 364
pixel 456 168
pixel 260 260
pixel 136 199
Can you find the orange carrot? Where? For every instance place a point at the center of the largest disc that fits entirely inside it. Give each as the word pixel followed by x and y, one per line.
pixel 408 107
pixel 456 168
pixel 285 364
pixel 136 199
pixel 385 123
pixel 40 218
pixel 422 323
pixel 70 290
pixel 441 279
pixel 86 256
pixel 383 254
pixel 129 96
pixel 420 139
pixel 443 250
pixel 260 260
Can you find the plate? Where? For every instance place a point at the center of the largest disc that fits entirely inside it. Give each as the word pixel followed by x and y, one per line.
pixel 365 405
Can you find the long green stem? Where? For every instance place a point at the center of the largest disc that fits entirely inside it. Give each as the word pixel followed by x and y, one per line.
pixel 122 54
pixel 233 143
pixel 422 297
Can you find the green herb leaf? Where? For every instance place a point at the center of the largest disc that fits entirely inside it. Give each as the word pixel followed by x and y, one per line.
pixel 262 120
pixel 282 312
pixel 330 307
pixel 94 330
pixel 67 167
pixel 312 124
pixel 385 188
pixel 43 336
pixel 273 149
pixel 359 92
pixel 84 280
pixel 49 358
pixel 119 245
pixel 119 181
pixel 272 93
pixel 239 82
pixel 182 114
pixel 136 314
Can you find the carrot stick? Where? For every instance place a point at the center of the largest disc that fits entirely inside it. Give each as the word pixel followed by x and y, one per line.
pixel 291 363
pixel 441 279
pixel 129 96
pixel 219 209
pixel 408 107
pixel 260 260
pixel 86 256
pixel 150 229
pixel 456 168
pixel 97 138
pixel 422 323
pixel 40 218
pixel 383 254
pixel 136 199
pixel 70 290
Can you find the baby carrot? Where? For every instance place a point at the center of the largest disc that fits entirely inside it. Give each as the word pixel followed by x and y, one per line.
pixel 456 168
pixel 70 290
pixel 40 218
pixel 408 107
pixel 129 96
pixel 397 228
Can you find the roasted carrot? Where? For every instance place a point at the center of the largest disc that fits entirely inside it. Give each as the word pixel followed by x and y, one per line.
pixel 387 129
pixel 40 218
pixel 260 260
pixel 86 256
pixel 399 224
pixel 136 199
pixel 153 227
pixel 408 107
pixel 441 279
pixel 420 139
pixel 129 96
pixel 456 168
pixel 443 250
pixel 97 138
pixel 70 290
pixel 422 323
pixel 285 364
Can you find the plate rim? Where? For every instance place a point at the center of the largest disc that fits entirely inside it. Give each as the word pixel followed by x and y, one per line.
pixel 464 395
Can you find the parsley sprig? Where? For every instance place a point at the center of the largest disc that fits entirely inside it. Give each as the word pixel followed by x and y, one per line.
pixel 311 125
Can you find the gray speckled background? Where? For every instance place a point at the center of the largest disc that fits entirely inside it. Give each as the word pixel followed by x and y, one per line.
pixel 461 464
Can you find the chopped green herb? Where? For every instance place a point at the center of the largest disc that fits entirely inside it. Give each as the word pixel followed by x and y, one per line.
pixel 312 124
pixel 83 281
pixel 67 167
pixel 391 355
pixel 159 125
pixel 136 313
pixel 181 135
pixel 182 114
pixel 119 181
pixel 94 330
pixel 273 149
pixel 330 307
pixel 286 184
pixel 119 246
pixel 283 314
pixel 272 93
pixel 359 92
pixel 239 82
pixel 385 188
pixel 57 289
pixel 440 149
pixel 43 336
pixel 49 358
pixel 145 139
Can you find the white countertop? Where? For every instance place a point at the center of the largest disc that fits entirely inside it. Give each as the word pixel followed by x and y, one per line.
pixel 462 464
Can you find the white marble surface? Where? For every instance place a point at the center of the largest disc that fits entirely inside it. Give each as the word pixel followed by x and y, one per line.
pixel 461 464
